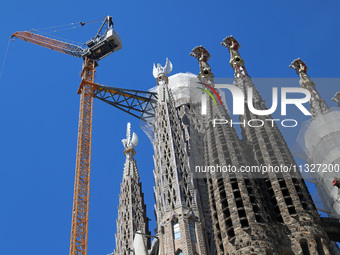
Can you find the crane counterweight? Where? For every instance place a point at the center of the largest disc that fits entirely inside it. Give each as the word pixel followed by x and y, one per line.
pixel 99 49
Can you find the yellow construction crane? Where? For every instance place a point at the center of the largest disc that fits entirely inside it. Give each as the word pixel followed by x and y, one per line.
pixel 104 43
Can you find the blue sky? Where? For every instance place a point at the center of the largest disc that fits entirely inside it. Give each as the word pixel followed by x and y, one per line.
pixel 39 105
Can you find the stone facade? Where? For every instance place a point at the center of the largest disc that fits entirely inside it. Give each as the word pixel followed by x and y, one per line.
pixel 289 206
pixel 178 214
pixel 234 213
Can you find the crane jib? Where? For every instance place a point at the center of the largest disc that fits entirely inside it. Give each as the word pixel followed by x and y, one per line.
pixel 97 49
pixel 53 44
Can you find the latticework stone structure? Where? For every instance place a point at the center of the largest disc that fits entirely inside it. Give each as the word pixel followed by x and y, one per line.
pixel 178 215
pixel 234 213
pixel 131 209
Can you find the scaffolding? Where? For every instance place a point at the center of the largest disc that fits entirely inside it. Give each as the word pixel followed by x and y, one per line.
pixel 318 143
pixel 186 90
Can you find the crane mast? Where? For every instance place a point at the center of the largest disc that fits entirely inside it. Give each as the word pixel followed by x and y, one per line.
pixel 80 210
pixel 139 104
pixel 104 43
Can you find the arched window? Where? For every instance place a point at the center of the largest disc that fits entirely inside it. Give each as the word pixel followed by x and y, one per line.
pixel 175 227
pixel 192 231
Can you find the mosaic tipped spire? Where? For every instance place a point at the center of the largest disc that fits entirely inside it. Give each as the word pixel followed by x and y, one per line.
pixel 131 209
pixel 203 56
pixel 236 62
pixel 317 104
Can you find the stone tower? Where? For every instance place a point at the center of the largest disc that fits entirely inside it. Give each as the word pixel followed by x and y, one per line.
pixel 230 212
pixel 131 208
pixel 324 126
pixel 240 222
pixel 178 215
pixel 290 208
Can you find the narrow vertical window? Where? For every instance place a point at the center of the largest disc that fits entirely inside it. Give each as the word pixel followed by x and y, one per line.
pixel 192 231
pixel 319 246
pixel 175 227
pixel 304 247
pixel 179 252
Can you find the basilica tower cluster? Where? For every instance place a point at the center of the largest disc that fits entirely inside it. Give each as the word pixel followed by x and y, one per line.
pixel 218 213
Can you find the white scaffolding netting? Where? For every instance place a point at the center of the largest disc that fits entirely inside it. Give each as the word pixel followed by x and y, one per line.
pixel 181 86
pixel 184 88
pixel 318 144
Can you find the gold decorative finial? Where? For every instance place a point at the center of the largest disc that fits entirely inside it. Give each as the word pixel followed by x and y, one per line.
pixel 202 56
pixel 301 69
pixel 236 62
pixel 317 104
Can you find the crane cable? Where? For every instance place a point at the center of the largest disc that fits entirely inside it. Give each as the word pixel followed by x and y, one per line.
pixel 3 63
pixel 62 28
pixel 80 24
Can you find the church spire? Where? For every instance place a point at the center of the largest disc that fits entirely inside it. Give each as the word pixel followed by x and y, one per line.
pixel 317 104
pixel 232 215
pixel 284 194
pixel 131 208
pixel 177 213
